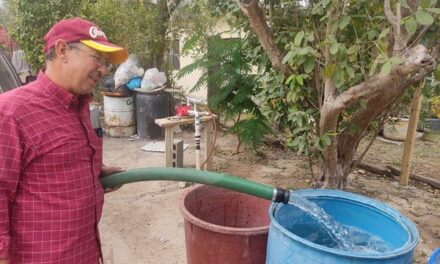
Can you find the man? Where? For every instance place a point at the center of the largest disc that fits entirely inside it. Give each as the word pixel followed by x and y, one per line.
pixel 50 157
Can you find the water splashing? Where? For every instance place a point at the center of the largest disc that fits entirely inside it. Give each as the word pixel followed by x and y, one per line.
pixel 328 232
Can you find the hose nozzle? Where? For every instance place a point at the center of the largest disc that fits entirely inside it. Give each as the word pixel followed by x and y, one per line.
pixel 280 195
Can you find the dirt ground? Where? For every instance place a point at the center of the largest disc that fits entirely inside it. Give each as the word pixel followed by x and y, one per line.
pixel 142 223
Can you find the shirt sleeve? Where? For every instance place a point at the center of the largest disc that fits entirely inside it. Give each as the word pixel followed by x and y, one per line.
pixel 10 166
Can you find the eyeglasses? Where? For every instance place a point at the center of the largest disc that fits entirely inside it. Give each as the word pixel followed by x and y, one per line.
pixel 99 61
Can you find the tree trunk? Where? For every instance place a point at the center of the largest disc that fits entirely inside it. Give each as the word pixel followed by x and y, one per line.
pixel 378 92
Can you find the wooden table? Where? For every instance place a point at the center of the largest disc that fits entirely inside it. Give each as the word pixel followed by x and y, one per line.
pixel 170 122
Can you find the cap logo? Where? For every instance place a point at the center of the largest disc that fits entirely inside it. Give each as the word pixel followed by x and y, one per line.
pixel 94 32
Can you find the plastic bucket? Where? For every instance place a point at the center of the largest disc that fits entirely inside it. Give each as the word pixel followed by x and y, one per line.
pixel 285 244
pixel 435 257
pixel 119 116
pixel 224 226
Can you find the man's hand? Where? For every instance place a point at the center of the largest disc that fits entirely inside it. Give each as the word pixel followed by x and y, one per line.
pixel 106 171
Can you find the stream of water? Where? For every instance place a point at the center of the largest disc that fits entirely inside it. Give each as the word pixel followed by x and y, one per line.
pixel 333 234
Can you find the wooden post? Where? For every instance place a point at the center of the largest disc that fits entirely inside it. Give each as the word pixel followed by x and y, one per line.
pixel 169 140
pixel 408 151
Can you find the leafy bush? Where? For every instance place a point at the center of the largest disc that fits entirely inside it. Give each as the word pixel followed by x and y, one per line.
pixel 227 70
pixel 33 19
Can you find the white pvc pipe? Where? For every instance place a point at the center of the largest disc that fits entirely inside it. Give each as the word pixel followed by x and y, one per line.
pixel 197 135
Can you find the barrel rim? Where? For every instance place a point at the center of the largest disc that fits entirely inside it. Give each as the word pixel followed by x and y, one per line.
pixel 434 256
pixel 238 231
pixel 406 223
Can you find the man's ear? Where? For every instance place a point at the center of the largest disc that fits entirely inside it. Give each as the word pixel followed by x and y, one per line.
pixel 61 48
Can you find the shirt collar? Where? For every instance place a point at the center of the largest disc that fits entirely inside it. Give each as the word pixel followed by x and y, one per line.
pixel 67 99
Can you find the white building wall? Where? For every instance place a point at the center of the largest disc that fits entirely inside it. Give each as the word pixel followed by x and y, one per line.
pixel 187 82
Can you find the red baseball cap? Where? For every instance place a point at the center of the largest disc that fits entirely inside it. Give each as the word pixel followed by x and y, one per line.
pixel 80 30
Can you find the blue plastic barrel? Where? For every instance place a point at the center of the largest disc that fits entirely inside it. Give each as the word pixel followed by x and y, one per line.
pixel 435 257
pixel 285 244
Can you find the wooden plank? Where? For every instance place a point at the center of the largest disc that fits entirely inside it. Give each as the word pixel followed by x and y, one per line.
pixel 408 151
pixel 174 121
pixel 170 122
pixel 169 139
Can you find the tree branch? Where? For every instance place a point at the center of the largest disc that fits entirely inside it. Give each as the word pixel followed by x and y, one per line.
pixel 331 32
pixel 416 60
pixel 382 121
pixel 400 34
pixel 389 14
pixel 258 24
pixel 379 92
pixel 172 5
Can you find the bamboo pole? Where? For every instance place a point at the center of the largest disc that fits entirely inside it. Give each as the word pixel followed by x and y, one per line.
pixel 408 151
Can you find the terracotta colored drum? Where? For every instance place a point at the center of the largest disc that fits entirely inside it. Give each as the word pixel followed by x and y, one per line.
pixel 224 226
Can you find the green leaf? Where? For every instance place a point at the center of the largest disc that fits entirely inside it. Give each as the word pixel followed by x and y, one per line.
pixel 309 64
pixel 299 130
pixel 385 69
pixel 424 17
pixel 353 49
pixel 372 34
pixel 279 77
pixel 317 10
pixel 338 77
pixel 299 80
pixel 329 70
pixel 298 38
pixel 291 77
pixel 411 25
pixel 425 3
pixel 433 10
pixel 350 71
pixel 288 56
pixel 384 33
pixel 318 146
pixel 334 48
pixel 326 140
pixel 300 60
pixel 344 22
pixel 292 96
pixel 437 74
pixel 404 4
pixel 302 51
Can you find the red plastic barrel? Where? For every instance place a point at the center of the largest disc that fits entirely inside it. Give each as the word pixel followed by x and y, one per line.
pixel 224 226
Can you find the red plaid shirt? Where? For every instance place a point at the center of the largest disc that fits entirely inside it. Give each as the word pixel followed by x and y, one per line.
pixel 50 161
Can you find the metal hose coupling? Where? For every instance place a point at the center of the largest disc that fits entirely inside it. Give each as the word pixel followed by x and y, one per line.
pixel 280 195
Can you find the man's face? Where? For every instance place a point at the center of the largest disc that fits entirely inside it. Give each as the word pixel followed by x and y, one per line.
pixel 86 67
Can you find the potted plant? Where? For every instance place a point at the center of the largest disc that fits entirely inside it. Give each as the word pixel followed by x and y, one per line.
pixel 433 121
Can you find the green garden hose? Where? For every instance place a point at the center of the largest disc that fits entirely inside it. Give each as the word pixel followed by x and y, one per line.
pixel 191 175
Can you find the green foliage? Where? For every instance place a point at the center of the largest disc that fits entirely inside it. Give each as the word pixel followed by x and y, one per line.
pixel 33 19
pixel 194 23
pixel 431 94
pixel 360 50
pixel 250 131
pixel 140 26
pixel 227 66
pixel 5 15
